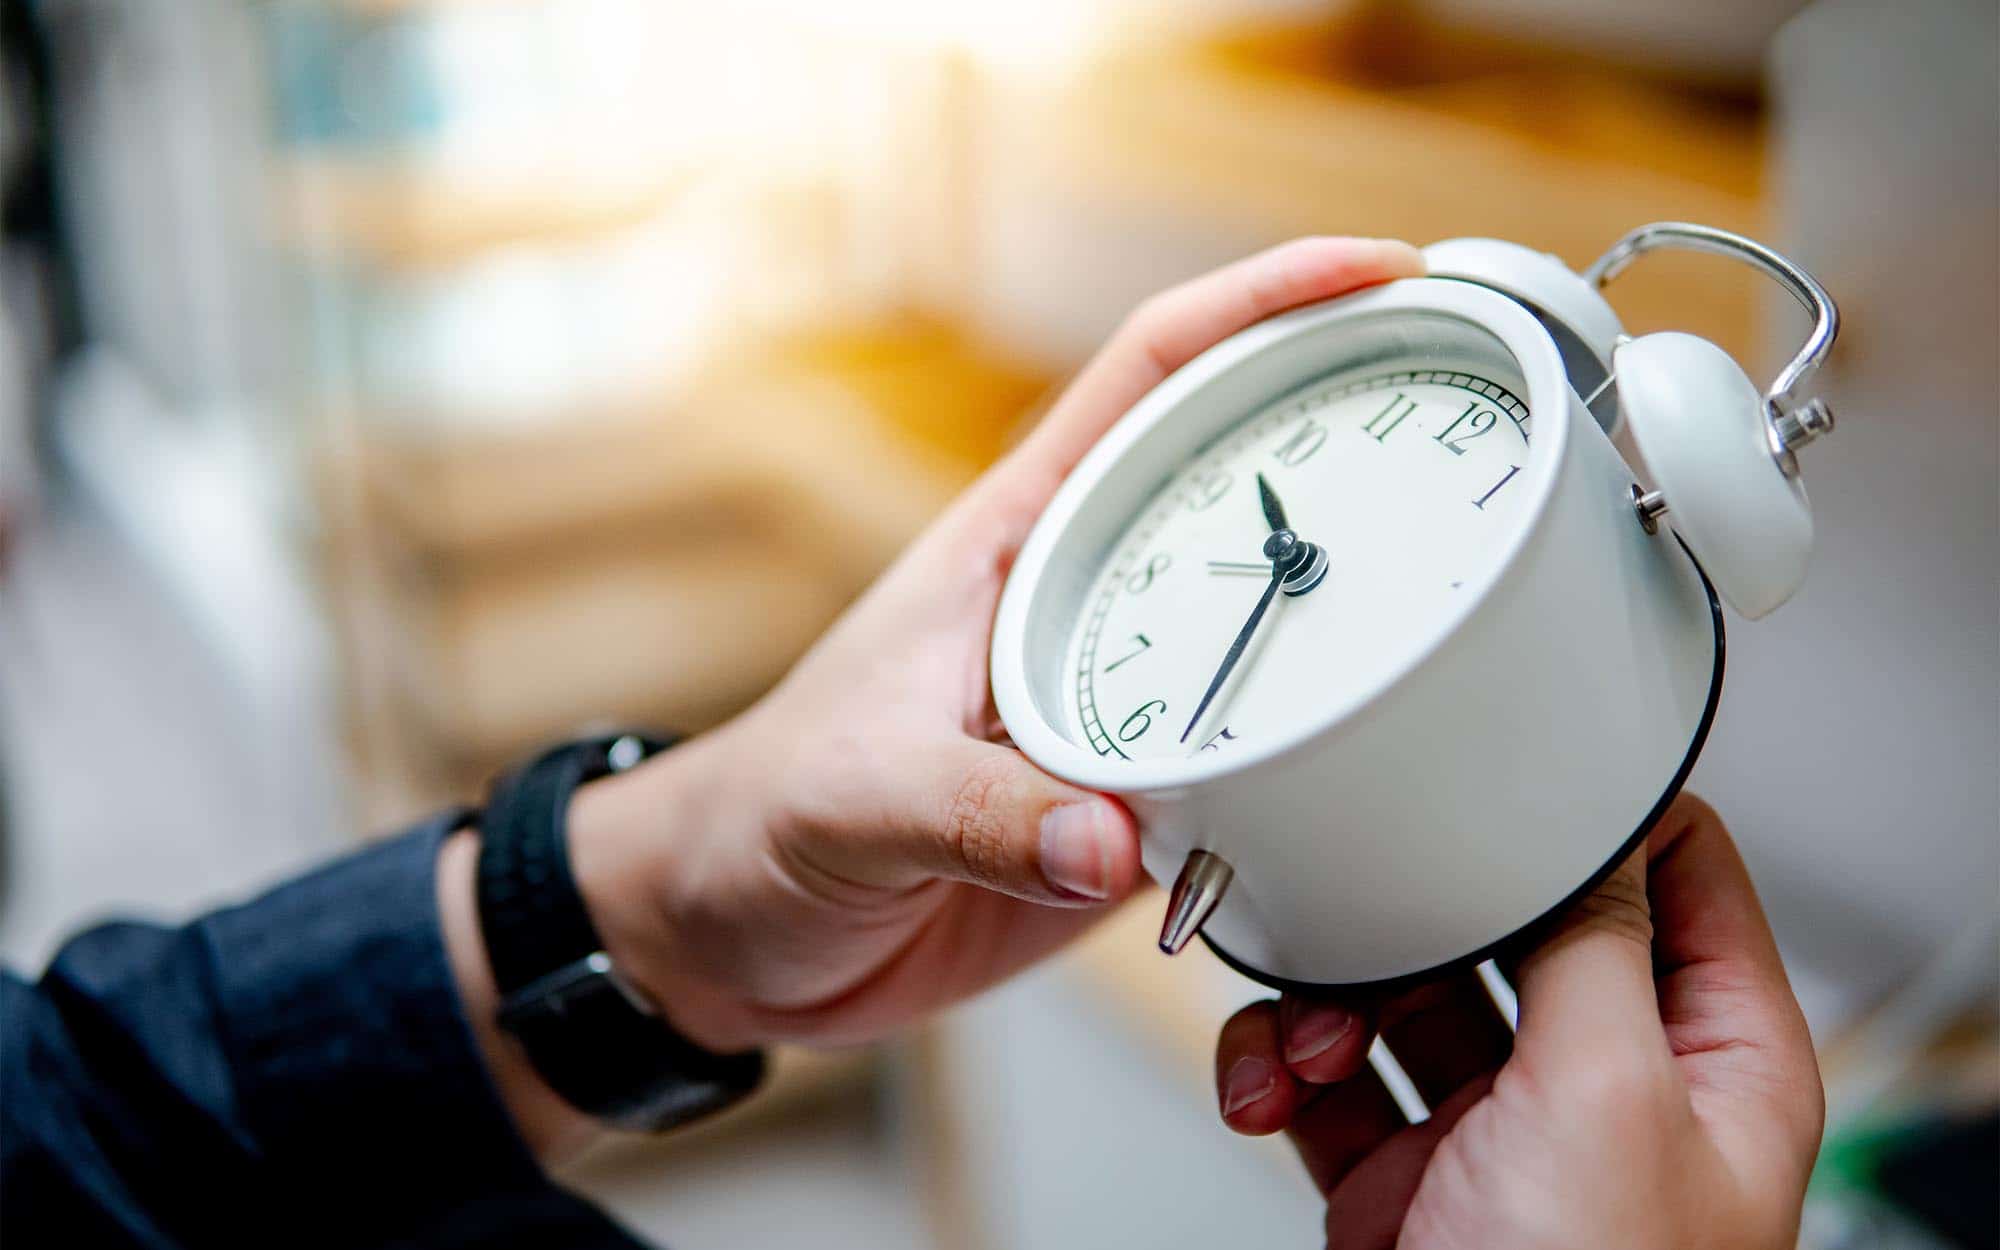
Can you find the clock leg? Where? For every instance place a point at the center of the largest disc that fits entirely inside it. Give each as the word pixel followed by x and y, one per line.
pixel 1196 892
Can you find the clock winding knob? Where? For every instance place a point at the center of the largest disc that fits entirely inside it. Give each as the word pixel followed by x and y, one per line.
pixel 1193 900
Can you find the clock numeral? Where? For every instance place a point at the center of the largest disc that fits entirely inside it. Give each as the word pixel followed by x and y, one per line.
pixel 1482 421
pixel 1144 644
pixel 1300 447
pixel 1207 489
pixel 1143 719
pixel 1383 423
pixel 1215 743
pixel 1480 503
pixel 1138 582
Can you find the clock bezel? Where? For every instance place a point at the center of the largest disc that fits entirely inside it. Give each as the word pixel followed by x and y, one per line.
pixel 1104 491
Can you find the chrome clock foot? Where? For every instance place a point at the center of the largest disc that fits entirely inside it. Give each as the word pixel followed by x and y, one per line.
pixel 1203 880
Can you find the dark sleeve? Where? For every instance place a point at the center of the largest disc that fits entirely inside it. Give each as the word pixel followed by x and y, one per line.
pixel 294 1071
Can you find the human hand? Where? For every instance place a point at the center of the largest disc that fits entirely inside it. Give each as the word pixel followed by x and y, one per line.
pixel 861 847
pixel 1661 1091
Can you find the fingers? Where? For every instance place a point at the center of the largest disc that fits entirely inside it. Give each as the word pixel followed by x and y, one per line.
pixel 1272 1055
pixel 1302 1066
pixel 1724 999
pixel 1177 325
pixel 1340 1125
pixel 1324 1041
pixel 1333 1126
pixel 1367 1209
pixel 1256 1092
pixel 1674 983
pixel 975 812
pixel 1447 1035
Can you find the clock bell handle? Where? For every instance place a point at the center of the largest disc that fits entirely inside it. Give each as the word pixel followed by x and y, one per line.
pixel 1196 892
pixel 1794 422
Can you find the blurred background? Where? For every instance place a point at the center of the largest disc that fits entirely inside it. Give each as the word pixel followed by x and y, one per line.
pixel 387 386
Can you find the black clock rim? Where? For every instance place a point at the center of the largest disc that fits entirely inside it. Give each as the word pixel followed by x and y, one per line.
pixel 1323 989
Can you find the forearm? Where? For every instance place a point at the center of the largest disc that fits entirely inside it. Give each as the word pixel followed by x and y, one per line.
pixel 305 1049
pixel 621 834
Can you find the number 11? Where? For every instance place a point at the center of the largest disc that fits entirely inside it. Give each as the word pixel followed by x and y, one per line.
pixel 1398 409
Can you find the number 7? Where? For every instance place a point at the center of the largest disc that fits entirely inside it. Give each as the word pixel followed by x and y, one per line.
pixel 1144 643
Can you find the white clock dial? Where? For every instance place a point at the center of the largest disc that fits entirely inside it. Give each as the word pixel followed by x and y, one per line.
pixel 1408 480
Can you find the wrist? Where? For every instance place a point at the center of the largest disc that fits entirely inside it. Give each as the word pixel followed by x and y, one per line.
pixel 636 840
pixel 552 1128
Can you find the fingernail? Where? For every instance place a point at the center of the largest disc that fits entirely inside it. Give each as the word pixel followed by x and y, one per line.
pixel 1312 1032
pixel 1399 254
pixel 1073 851
pixel 1249 1080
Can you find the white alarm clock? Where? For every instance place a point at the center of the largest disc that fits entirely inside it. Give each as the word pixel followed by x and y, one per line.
pixel 1368 620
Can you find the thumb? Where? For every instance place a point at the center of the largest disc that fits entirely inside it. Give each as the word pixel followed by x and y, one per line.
pixel 1587 989
pixel 982 814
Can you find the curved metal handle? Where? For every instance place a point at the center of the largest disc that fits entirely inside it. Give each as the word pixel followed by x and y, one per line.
pixel 1794 422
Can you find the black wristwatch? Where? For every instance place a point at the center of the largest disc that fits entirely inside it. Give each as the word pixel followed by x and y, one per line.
pixel 592 1033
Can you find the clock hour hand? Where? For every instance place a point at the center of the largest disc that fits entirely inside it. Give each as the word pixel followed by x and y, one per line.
pixel 1303 568
pixel 1274 512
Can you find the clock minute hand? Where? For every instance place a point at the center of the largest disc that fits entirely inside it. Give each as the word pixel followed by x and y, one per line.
pixel 1282 547
pixel 1296 567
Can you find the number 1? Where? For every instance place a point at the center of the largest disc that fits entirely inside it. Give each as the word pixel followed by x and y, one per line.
pixel 1480 503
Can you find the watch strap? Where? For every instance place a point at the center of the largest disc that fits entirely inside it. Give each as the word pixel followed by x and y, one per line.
pixel 530 910
pixel 591 1034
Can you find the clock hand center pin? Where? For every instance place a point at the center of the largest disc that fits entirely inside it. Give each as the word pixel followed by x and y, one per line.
pixel 1296 567
pixel 1305 563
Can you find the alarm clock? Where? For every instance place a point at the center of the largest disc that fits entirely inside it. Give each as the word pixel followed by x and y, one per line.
pixel 1368 619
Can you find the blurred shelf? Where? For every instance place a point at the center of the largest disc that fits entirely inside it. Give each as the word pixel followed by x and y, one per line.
pixel 1367 127
pixel 661 561
pixel 878 424
pixel 935 385
pixel 1576 103
pixel 397 212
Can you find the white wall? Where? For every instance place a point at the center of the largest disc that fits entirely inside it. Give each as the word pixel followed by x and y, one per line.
pixel 1859 740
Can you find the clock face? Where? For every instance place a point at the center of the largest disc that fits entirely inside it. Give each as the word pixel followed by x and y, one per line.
pixel 1192 640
